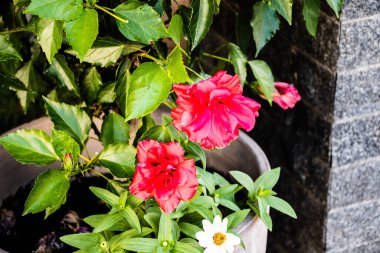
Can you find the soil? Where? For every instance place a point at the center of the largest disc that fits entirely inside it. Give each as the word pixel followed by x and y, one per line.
pixel 31 233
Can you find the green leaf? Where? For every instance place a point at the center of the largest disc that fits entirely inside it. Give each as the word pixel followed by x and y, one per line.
pixel 189 229
pixel 311 11
pixel 119 159
pixel 30 147
pixel 86 241
pixel 117 239
pixel 176 69
pixel 268 180
pixel 91 84
pixel 69 119
pixel 245 180
pixel 144 23
pixel 7 51
pixel 49 36
pixel 107 94
pixel 158 133
pixel 264 76
pixel 165 231
pixel 239 61
pixel 95 220
pixel 28 75
pixel 204 212
pixel 335 5
pixel 284 7
pixel 122 88
pixel 175 29
pixel 61 71
pixel 114 130
pixel 153 219
pixel 149 87
pixel 56 9
pixel 131 218
pixel 265 23
pixel 48 191
pixel 105 195
pixel 281 205
pixel 206 179
pixel 181 247
pixel 195 150
pixel 9 81
pixel 63 144
pixel 81 32
pixel 104 52
pixel 201 20
pixel 229 204
pixel 264 216
pixel 236 218
pixel 108 221
pixel 147 245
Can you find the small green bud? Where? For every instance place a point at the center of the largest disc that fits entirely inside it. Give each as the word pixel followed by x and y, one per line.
pixel 68 162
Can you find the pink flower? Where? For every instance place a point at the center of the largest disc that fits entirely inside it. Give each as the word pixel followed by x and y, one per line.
pixel 212 111
pixel 285 95
pixel 163 173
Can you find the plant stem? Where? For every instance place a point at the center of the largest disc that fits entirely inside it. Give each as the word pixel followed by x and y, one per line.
pixel 101 175
pixel 198 75
pixel 110 13
pixel 217 57
pixel 151 58
pixel 86 150
pixel 84 158
pixel 13 31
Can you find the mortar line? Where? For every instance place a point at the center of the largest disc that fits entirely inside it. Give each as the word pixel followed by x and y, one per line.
pixel 356 117
pixel 356 204
pixel 355 164
pixel 354 246
pixel 350 21
pixel 345 71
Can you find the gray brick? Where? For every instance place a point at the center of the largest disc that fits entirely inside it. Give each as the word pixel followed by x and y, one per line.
pixel 352 226
pixel 355 140
pixel 359 43
pixel 355 184
pixel 357 92
pixel 353 9
pixel 369 247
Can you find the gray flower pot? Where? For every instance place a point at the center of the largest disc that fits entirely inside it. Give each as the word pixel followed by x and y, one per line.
pixel 244 155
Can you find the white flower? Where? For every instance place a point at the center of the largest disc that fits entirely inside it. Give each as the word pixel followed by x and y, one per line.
pixel 215 237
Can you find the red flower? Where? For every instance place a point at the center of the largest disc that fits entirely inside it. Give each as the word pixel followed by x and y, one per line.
pixel 285 95
pixel 212 111
pixel 163 173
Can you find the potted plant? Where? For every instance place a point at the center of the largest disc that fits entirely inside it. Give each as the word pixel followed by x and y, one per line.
pixel 106 69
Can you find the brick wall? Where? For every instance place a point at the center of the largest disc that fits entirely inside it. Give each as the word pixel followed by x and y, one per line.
pixel 329 145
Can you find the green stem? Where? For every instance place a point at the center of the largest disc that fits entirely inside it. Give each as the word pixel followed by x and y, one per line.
pixel 198 75
pixel 101 175
pixel 151 58
pixel 217 57
pixel 110 13
pixel 13 31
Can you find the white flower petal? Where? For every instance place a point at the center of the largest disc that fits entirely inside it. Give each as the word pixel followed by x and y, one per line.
pixel 214 249
pixel 232 239
pixel 204 239
pixel 208 227
pixel 229 247
pixel 217 223
pixel 224 225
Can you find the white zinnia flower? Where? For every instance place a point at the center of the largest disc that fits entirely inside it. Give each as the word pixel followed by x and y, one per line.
pixel 215 237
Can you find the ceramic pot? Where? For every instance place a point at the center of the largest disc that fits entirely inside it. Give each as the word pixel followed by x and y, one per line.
pixel 244 155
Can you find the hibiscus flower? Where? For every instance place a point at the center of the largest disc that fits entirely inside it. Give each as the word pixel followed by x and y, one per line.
pixel 285 95
pixel 212 111
pixel 163 173
pixel 215 237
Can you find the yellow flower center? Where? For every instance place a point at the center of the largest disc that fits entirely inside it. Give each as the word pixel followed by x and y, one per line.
pixel 219 238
